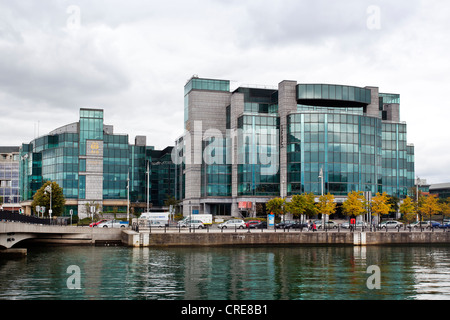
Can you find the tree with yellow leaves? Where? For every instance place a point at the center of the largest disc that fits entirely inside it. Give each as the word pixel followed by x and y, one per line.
pixel 355 204
pixel 326 204
pixel 408 209
pixel 380 205
pixel 429 205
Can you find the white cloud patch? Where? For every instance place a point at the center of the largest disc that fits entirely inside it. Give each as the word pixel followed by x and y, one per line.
pixel 133 58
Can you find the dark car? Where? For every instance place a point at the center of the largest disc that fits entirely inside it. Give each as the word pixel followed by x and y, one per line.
pixel 284 224
pixel 445 225
pixel 260 225
pixel 297 225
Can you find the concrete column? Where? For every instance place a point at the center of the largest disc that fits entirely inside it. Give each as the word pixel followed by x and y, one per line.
pixel 373 109
pixel 287 103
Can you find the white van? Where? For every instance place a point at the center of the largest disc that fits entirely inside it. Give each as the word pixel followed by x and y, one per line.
pixel 156 219
pixel 205 218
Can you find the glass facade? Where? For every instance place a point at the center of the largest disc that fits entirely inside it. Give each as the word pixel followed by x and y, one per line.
pixel 216 170
pixel 84 156
pixel 334 94
pixel 257 142
pixel 116 165
pixel 346 147
pixel 162 171
pixel 352 135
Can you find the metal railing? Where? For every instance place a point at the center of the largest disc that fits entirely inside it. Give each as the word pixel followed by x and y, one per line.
pixel 17 217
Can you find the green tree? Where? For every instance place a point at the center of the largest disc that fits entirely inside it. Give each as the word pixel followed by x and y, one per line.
pixel 302 204
pixel 296 206
pixel 88 206
pixel 380 204
pixel 276 206
pixel 171 201
pixel 310 204
pixel 408 209
pixel 355 204
pixel 42 198
pixel 393 201
pixel 326 204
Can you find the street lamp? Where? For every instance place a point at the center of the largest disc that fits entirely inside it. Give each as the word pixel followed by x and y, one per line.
pixel 49 190
pixel 417 198
pixel 321 193
pixel 128 196
pixel 148 186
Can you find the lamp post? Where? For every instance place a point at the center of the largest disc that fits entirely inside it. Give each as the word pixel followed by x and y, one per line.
pixel 321 193
pixel 128 197
pixel 148 186
pixel 49 190
pixel 417 198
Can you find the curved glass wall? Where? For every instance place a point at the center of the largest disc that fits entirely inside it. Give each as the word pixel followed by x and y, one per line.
pixel 334 94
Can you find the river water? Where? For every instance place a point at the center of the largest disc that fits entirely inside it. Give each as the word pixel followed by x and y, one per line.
pixel 243 273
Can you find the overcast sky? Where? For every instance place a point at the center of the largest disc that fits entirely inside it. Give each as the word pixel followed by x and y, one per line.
pixel 132 58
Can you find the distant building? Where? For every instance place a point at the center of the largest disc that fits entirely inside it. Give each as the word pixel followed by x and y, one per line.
pixel 441 189
pixel 9 178
pixel 93 165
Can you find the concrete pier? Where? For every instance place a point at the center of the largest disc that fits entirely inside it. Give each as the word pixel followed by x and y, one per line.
pixel 242 237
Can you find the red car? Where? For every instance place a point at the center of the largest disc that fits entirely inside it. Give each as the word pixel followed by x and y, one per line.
pixel 251 223
pixel 94 224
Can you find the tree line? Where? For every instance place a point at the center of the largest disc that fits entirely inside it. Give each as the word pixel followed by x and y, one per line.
pixel 357 205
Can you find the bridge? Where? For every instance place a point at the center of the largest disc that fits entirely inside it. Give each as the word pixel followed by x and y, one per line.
pixel 12 233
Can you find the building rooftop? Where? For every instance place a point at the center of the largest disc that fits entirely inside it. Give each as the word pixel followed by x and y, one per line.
pixel 9 149
pixel 440 186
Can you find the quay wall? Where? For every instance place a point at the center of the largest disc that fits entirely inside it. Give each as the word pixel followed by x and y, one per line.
pixel 146 239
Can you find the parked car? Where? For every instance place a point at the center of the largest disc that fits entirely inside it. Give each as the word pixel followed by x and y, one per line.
pixel 359 224
pixel 297 225
pixel 434 224
pixel 284 224
pixel 259 225
pixel 328 225
pixel 445 225
pixel 390 224
pixel 416 224
pixel 424 224
pixel 251 223
pixel 196 224
pixel 113 224
pixel 95 224
pixel 233 223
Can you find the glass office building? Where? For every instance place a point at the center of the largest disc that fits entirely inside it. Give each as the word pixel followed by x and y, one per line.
pixel 93 165
pixel 276 142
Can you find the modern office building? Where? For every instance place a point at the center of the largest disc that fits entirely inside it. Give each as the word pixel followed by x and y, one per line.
pixel 441 189
pixel 243 147
pixel 9 178
pixel 93 165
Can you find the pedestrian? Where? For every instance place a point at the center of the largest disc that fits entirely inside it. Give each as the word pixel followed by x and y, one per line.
pixel 314 228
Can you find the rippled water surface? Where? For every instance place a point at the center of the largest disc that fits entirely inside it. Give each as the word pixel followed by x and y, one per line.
pixel 269 273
